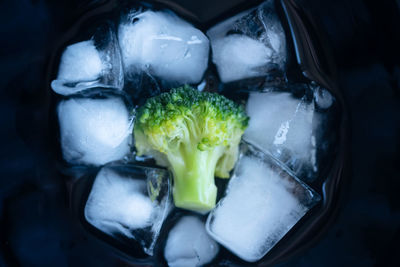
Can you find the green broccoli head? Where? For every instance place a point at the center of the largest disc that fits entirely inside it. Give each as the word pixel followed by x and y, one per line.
pixel 197 135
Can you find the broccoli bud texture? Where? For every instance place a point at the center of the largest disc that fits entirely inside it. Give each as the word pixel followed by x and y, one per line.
pixel 197 135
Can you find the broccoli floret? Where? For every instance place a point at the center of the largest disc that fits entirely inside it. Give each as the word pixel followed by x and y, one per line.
pixel 197 135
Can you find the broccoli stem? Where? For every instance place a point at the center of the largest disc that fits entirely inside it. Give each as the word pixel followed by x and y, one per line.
pixel 193 171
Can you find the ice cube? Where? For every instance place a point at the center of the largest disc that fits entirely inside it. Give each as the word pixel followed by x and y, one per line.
pixel 251 44
pixel 221 29
pixel 130 201
pixel 239 56
pixel 94 131
pixel 188 244
pixel 80 62
pixel 283 126
pixel 92 63
pixel 164 45
pixel 323 98
pixel 261 204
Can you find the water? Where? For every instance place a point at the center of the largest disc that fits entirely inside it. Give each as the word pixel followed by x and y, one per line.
pixel 162 45
pixel 188 244
pixel 130 203
pixel 91 63
pixel 251 44
pixel 262 203
pixel 94 131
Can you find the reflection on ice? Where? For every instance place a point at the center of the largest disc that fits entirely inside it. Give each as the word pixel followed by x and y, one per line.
pixel 283 126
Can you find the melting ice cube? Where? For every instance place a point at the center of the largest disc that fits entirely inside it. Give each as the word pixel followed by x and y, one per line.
pixel 251 44
pixel 94 131
pixel 164 45
pixel 92 63
pixel 188 244
pixel 261 205
pixel 283 125
pixel 130 201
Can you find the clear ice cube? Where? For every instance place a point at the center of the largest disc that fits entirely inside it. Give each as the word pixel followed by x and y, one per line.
pixel 94 131
pixel 92 63
pixel 284 126
pixel 163 45
pixel 130 201
pixel 261 204
pixel 251 44
pixel 188 244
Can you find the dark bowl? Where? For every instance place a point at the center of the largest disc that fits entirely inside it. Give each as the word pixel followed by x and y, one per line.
pixel 309 60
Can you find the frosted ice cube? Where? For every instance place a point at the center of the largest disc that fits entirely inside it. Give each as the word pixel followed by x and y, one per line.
pixel 188 244
pixel 130 201
pixel 164 45
pixel 283 125
pixel 261 204
pixel 94 131
pixel 92 63
pixel 239 57
pixel 80 62
pixel 251 44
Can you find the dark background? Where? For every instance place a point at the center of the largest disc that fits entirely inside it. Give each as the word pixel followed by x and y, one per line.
pixel 365 37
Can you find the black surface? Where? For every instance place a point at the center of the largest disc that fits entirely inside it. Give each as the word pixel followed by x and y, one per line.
pixel 365 36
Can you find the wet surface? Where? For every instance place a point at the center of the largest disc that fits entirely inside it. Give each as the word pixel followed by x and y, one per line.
pixel 34 203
